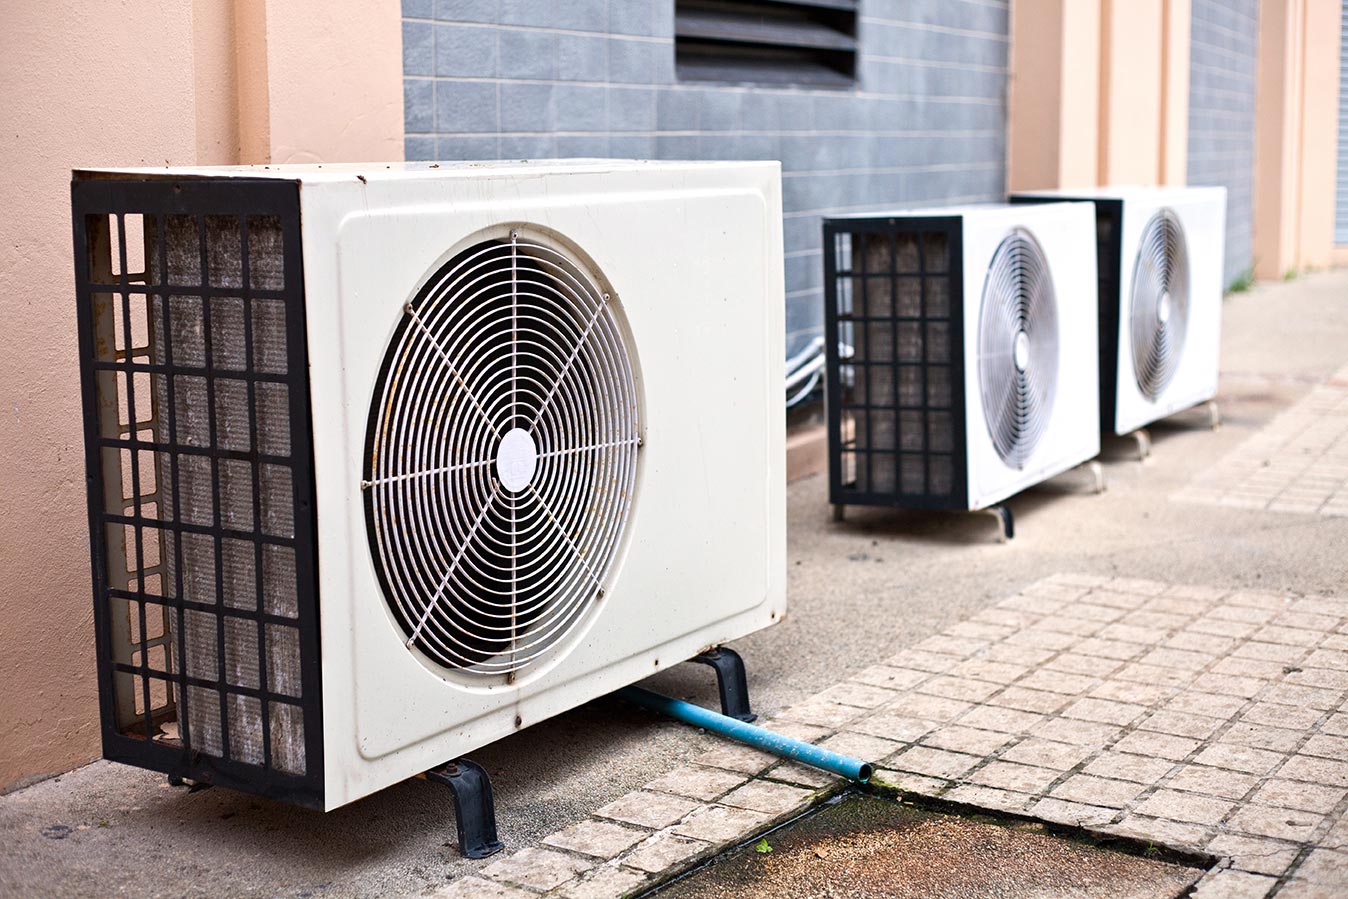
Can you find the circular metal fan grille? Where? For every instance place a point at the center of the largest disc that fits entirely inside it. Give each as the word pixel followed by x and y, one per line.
pixel 501 455
pixel 1160 303
pixel 1017 347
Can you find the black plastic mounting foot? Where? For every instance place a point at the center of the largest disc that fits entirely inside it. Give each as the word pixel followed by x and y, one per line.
pixel 730 678
pixel 1005 520
pixel 474 808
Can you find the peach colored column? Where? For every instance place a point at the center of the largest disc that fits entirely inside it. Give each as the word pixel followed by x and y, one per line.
pixel 1295 135
pixel 1054 101
pixel 1174 147
pixel 148 83
pixel 1131 66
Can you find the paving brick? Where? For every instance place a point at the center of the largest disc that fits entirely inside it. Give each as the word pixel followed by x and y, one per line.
pixel 1258 855
pixel 1104 711
pixel 1212 781
pixel 1302 796
pixel 821 713
pixel 1181 724
pixel 1229 884
pixel 859 695
pixel 1162 831
pixel 1190 807
pixel 1229 685
pixel 967 739
pixel 653 810
pixel 1326 747
pixel 1089 666
pixel 1154 675
pixel 477 888
pixel 1010 654
pixel 1007 721
pixel 664 850
pixel 1325 867
pixel 1109 649
pixel 1040 701
pixel 1015 777
pixel 1077 814
pixel 600 839
pixel 1182 659
pixel 1040 639
pixel 1118 599
pixel 1278 715
pixel 990 671
pixel 988 798
pixel 909 782
pixel 1336 724
pixel 1149 695
pixel 1279 823
pixel 934 762
pixel 891 726
pixel 734 757
pixel 1239 758
pixel 1097 791
pixel 1059 682
pixel 539 869
pixel 1083 733
pixel 929 708
pixel 1047 753
pixel 1314 770
pixel 1123 766
pixel 1270 652
pixel 1314 697
pixel 766 796
pixel 958 647
pixel 605 882
pixel 1212 705
pixel 803 775
pixel 862 746
pixel 1159 745
pixel 697 782
pixel 810 733
pixel 720 823
pixel 890 678
pixel 961 688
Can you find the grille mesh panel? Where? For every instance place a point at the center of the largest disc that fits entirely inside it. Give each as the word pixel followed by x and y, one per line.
pixel 1018 347
pixel 898 422
pixel 191 325
pixel 1159 306
pixel 502 456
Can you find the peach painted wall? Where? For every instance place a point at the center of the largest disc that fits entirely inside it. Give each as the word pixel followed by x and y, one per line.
pixel 146 83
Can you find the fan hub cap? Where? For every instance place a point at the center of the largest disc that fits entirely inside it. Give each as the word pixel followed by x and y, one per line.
pixel 516 460
pixel 1020 350
pixel 1163 308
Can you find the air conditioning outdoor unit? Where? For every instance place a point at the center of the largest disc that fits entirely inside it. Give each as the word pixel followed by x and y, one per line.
pixel 962 354
pixel 1160 252
pixel 388 462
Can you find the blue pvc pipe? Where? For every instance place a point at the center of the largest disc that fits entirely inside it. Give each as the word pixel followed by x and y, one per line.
pixel 757 737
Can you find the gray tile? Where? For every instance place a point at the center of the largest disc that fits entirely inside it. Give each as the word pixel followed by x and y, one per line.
pixel 418 48
pixel 465 106
pixel 465 51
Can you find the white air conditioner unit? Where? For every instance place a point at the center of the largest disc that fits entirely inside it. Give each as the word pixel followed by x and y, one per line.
pixel 972 366
pixel 389 462
pixel 1160 289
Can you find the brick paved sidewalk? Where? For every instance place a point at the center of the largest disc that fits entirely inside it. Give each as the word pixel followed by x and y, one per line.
pixel 1298 463
pixel 1199 718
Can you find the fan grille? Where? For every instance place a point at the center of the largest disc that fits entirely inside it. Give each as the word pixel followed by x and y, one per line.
pixel 1160 303
pixel 1018 347
pixel 502 455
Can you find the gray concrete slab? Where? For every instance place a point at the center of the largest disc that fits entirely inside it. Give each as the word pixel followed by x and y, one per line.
pixel 860 591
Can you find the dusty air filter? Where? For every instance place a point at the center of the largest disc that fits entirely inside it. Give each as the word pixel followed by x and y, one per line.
pixel 201 499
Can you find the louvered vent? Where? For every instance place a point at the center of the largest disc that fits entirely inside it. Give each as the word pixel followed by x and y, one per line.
pixel 501 455
pixel 1159 306
pixel 198 450
pixel 1017 347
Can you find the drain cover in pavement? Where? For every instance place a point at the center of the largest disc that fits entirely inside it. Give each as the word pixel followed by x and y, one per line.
pixel 868 848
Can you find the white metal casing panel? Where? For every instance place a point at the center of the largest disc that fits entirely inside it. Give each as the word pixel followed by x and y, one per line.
pixel 693 253
pixel 1066 232
pixel 1202 215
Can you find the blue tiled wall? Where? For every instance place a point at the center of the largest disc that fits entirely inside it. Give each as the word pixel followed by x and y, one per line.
pixel 925 123
pixel 1223 54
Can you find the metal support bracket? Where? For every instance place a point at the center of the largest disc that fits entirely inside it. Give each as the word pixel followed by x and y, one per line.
pixel 1097 472
pixel 1005 521
pixel 1142 437
pixel 1214 415
pixel 839 512
pixel 474 808
pixel 731 681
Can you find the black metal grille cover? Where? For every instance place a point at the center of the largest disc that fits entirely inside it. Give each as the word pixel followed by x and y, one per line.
pixel 198 450
pixel 893 291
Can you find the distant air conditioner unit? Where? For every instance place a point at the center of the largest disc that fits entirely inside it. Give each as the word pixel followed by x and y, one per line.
pixel 386 463
pixel 1160 287
pixel 968 364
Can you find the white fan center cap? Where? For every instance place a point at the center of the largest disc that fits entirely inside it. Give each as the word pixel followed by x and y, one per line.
pixel 1020 350
pixel 516 460
pixel 1163 308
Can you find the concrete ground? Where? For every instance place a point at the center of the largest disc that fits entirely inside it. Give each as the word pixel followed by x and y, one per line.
pixel 859 592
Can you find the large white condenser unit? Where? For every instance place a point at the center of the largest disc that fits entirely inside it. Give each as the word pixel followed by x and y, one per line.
pixel 388 462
